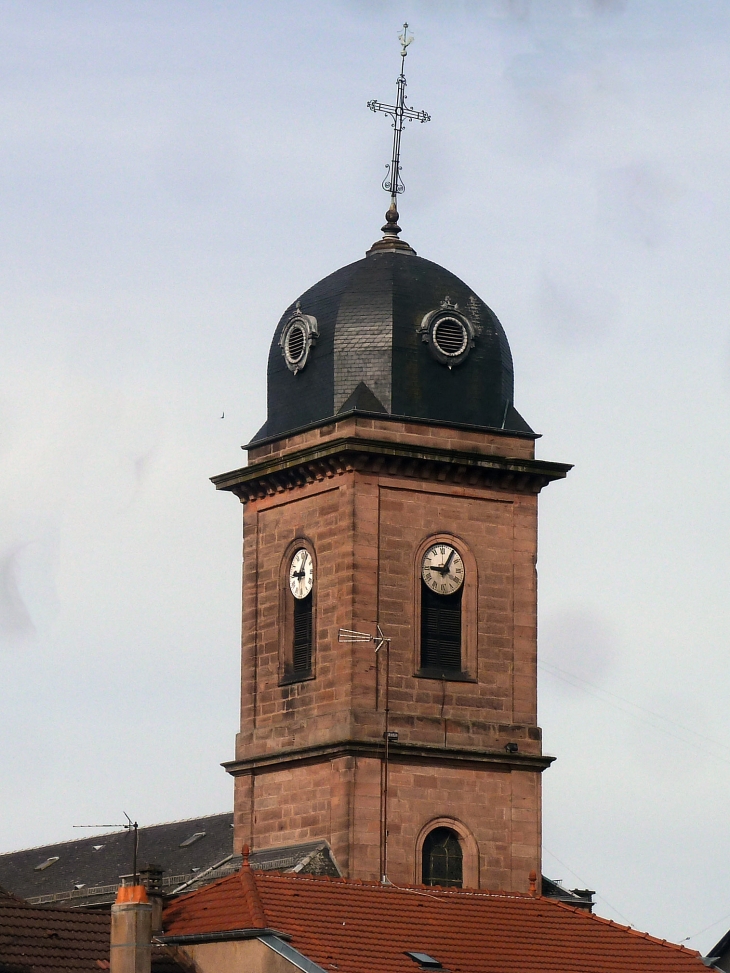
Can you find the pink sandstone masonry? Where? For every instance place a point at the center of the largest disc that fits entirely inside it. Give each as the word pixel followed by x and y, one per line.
pixel 308 756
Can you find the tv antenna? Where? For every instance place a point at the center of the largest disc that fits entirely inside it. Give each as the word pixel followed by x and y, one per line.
pixel 393 182
pixel 389 736
pixel 133 828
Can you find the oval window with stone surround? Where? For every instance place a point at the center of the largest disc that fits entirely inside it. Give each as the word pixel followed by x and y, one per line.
pixel 450 337
pixel 449 333
pixel 297 338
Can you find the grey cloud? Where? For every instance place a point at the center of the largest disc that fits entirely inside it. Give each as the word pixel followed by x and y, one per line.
pixel 572 313
pixel 580 642
pixel 142 464
pixel 522 10
pixel 16 624
pixel 607 7
pixel 634 200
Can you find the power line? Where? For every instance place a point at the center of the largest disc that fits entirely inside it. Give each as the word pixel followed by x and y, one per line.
pixel 579 683
pixel 585 884
pixel 694 934
pixel 550 665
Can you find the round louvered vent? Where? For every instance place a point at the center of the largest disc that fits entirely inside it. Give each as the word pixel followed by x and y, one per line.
pixel 295 341
pixel 450 337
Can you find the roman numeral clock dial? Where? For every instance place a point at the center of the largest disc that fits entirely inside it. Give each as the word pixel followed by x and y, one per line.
pixel 301 573
pixel 442 569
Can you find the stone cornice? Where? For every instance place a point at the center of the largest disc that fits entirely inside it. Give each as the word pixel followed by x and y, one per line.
pixel 357 454
pixel 416 752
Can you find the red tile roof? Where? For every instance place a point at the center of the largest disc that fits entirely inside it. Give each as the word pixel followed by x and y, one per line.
pixel 50 940
pixel 36 939
pixel 360 927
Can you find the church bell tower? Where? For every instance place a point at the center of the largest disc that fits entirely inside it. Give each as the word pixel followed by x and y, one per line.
pixel 392 492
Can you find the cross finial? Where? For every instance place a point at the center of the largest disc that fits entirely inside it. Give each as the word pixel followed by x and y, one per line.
pixel 393 182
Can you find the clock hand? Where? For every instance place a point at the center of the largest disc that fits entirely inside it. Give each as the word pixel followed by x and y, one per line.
pixel 444 568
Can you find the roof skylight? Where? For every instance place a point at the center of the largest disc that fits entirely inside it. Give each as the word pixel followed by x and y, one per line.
pixel 46 864
pixel 425 961
pixel 192 839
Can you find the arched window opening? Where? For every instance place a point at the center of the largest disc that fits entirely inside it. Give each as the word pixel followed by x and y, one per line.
pixel 442 859
pixel 302 648
pixel 440 631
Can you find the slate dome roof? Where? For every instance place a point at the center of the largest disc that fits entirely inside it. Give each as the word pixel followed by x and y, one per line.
pixel 391 333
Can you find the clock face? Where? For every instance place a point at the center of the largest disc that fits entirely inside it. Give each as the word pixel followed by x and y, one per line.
pixel 442 569
pixel 301 573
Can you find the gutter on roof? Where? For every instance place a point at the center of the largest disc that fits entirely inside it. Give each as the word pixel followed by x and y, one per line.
pixel 229 935
pixel 293 956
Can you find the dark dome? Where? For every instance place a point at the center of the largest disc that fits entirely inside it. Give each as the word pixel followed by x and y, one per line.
pixel 391 333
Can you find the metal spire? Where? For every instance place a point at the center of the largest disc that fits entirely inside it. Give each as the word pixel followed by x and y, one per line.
pixel 393 182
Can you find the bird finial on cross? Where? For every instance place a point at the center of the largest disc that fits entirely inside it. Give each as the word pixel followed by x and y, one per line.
pixel 405 40
pixel 393 182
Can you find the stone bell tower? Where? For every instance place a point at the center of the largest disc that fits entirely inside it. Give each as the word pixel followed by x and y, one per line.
pixel 394 484
pixel 392 490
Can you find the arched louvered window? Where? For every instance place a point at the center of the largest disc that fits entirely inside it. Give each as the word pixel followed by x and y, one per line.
pixel 301 665
pixel 442 859
pixel 440 632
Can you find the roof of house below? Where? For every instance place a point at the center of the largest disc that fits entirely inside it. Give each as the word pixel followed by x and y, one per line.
pixel 362 927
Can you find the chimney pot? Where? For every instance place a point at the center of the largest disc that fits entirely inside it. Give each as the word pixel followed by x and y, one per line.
pixel 151 878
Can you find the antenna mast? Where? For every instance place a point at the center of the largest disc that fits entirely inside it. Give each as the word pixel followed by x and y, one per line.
pixel 389 736
pixel 133 829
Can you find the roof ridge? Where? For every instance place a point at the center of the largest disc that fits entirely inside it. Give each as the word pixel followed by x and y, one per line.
pixel 120 830
pixel 433 890
pixel 618 925
pixel 251 892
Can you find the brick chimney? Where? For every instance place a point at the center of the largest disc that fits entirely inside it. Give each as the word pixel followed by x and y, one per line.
pixel 131 939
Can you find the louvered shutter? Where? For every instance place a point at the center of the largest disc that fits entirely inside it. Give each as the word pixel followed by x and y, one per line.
pixel 440 630
pixel 302 654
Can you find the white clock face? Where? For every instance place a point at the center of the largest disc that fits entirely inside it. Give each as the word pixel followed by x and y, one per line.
pixel 442 569
pixel 301 573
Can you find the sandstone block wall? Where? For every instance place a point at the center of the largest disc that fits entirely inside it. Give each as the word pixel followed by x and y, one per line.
pixel 367 532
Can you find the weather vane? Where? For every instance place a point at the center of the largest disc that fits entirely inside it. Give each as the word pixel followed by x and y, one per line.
pixel 393 182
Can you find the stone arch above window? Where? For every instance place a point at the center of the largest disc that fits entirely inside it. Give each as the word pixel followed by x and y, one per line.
pixel 439 836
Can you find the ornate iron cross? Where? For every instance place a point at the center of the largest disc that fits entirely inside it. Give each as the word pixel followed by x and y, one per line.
pixel 393 183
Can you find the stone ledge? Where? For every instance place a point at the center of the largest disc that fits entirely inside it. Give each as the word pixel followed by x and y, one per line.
pixel 399 752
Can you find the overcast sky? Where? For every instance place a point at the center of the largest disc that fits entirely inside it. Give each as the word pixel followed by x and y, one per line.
pixel 172 175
